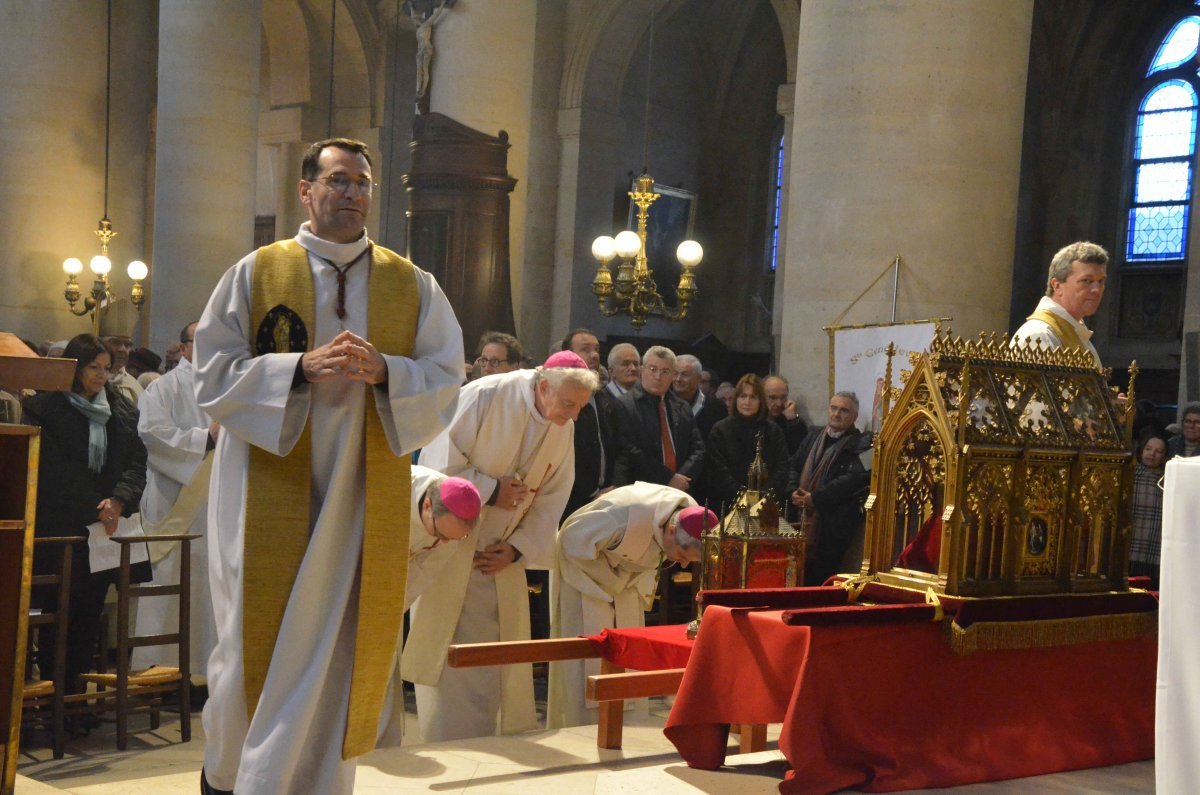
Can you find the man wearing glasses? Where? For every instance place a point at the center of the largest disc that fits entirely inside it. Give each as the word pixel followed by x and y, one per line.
pixel 328 360
pixel 1187 443
pixel 498 353
pixel 660 442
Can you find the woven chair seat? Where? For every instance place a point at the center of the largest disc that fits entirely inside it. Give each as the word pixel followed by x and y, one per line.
pixel 37 688
pixel 154 675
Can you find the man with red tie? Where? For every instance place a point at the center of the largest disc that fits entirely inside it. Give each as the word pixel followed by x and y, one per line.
pixel 660 442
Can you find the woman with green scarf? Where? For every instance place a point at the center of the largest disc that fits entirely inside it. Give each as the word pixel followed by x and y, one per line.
pixel 92 468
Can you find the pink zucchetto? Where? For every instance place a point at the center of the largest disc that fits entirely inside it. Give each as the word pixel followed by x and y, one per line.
pixel 566 359
pixel 696 519
pixel 461 497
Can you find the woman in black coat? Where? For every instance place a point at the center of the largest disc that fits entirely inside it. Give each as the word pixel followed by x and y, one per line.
pixel 731 446
pixel 92 468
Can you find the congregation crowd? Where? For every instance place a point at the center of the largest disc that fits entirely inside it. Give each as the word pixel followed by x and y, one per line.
pixel 598 470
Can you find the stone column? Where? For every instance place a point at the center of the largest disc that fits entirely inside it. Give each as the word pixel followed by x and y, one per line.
pixel 208 74
pixel 483 76
pixel 589 140
pixel 908 142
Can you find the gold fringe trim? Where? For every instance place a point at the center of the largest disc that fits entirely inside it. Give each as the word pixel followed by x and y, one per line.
pixel 997 635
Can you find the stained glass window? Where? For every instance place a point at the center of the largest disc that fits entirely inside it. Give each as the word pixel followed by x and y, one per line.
pixel 1178 47
pixel 776 200
pixel 1157 233
pixel 1163 150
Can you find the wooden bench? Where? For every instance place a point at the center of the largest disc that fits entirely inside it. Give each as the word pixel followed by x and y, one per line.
pixel 610 688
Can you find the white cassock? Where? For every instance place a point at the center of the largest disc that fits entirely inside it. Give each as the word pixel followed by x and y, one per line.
pixel 175 432
pixel 610 552
pixel 496 432
pixel 293 744
pixel 426 557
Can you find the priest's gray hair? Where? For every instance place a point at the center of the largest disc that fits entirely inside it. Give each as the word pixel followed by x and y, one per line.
pixel 434 493
pixel 1067 256
pixel 660 352
pixel 576 376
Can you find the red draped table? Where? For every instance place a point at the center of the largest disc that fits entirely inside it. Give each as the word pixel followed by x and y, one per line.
pixel 645 648
pixel 892 707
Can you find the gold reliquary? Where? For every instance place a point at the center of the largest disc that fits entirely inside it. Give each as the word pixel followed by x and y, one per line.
pixel 752 546
pixel 1001 470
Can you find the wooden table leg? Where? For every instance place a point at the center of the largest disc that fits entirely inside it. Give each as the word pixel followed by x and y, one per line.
pixel 612 714
pixel 752 738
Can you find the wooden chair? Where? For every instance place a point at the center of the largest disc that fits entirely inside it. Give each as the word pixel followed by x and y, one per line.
pixel 125 692
pixel 42 699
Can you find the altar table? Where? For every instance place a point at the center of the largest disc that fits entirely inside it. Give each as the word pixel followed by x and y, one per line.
pixel 890 707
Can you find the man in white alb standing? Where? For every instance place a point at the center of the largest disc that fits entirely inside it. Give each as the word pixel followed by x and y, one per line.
pixel 327 360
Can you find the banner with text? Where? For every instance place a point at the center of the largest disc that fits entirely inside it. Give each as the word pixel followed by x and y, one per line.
pixel 859 362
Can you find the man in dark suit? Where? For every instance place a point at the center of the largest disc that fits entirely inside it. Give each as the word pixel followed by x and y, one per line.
pixel 829 482
pixel 706 410
pixel 660 442
pixel 595 430
pixel 783 412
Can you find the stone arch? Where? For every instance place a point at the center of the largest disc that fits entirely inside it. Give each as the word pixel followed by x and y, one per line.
pixel 700 50
pixel 788 14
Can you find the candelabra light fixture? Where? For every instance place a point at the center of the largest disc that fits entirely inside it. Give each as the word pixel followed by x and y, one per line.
pixel 100 265
pixel 101 292
pixel 633 290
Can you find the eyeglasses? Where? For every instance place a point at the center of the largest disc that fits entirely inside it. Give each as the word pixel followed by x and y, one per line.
pixel 483 361
pixel 342 182
pixel 657 371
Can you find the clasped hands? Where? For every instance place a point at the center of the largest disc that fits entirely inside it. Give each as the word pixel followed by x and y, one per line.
pixel 802 498
pixel 495 557
pixel 347 356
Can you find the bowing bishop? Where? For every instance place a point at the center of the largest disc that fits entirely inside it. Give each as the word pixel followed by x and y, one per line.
pixel 444 512
pixel 513 438
pixel 609 554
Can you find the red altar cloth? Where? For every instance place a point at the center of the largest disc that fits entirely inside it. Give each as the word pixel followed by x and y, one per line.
pixel 891 707
pixel 645 648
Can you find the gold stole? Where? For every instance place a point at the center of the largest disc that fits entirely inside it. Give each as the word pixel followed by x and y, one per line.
pixel 278 523
pixel 1062 329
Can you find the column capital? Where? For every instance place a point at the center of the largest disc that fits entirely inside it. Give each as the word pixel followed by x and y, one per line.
pixel 785 99
pixel 571 122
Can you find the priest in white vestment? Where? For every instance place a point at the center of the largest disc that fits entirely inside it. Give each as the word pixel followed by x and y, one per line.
pixel 609 556
pixel 1074 289
pixel 513 438
pixel 445 510
pixel 178 437
pixel 295 725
